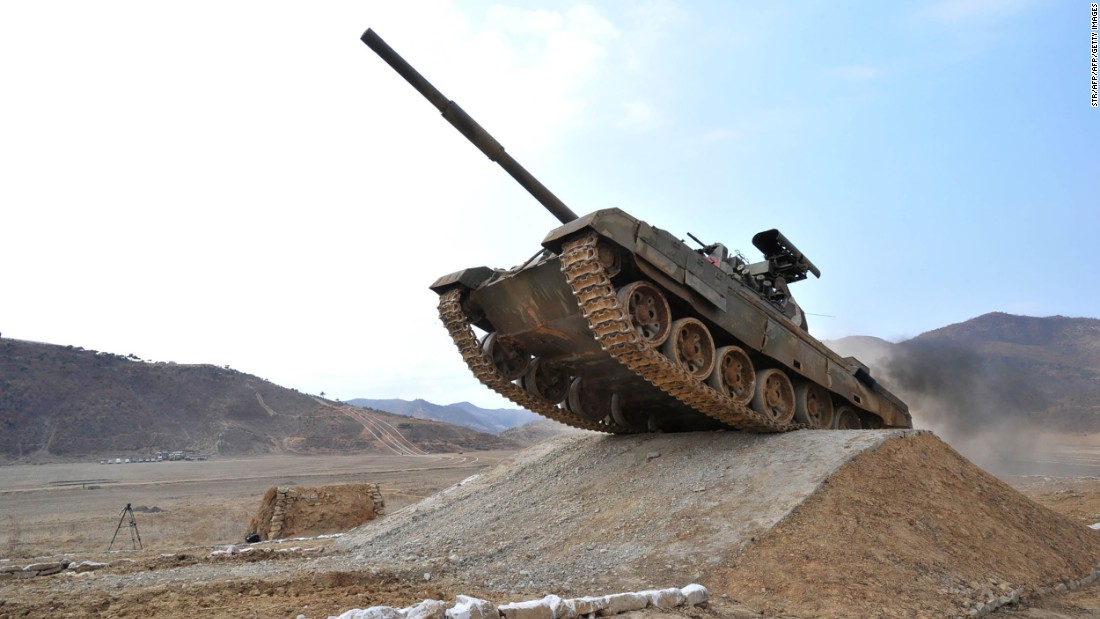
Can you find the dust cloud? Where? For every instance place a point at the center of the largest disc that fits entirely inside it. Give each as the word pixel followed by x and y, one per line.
pixel 983 406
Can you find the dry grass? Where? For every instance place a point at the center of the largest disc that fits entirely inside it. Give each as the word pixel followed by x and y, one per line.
pixel 77 530
pixel 194 503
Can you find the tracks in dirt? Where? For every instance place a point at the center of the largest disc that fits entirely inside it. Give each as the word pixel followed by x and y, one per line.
pixel 391 438
pixel 384 432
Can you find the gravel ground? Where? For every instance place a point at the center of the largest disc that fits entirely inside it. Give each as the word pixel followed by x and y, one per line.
pixel 612 513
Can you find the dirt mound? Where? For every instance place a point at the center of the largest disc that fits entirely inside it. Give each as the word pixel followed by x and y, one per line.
pixel 619 512
pixel 301 511
pixel 808 523
pixel 910 525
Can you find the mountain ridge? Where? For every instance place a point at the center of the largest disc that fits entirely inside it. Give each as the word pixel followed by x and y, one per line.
pixel 493 421
pixel 62 402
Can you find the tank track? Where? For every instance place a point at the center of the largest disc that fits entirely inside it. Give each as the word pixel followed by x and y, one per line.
pixel 458 325
pixel 607 319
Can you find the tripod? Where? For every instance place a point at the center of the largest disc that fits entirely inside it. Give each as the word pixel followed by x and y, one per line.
pixel 135 538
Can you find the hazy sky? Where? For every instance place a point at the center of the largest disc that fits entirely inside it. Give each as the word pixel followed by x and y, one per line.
pixel 246 184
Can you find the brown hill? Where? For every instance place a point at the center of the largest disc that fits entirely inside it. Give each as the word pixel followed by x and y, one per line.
pixel 59 402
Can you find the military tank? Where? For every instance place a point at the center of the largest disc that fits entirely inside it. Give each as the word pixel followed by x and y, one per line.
pixel 618 326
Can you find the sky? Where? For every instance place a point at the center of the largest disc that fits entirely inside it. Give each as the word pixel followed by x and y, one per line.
pixel 247 184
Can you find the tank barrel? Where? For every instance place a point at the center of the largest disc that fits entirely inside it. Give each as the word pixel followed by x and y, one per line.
pixel 468 127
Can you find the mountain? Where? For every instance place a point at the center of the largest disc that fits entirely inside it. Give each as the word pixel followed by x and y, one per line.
pixel 993 371
pixel 501 418
pixel 462 413
pixel 61 402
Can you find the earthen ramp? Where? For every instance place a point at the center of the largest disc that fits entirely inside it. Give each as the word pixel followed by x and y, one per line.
pixel 843 523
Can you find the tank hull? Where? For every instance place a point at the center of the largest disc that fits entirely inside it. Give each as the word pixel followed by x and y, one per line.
pixel 540 308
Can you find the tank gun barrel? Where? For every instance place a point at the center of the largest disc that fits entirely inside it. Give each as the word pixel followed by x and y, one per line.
pixel 469 127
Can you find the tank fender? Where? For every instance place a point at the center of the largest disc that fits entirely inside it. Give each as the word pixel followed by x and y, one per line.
pixel 662 250
pixel 668 254
pixel 610 223
pixel 466 278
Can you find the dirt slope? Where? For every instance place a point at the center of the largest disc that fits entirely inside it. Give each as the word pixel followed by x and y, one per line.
pixel 617 512
pixel 807 523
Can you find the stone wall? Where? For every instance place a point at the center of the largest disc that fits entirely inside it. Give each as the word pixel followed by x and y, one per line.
pixel 301 511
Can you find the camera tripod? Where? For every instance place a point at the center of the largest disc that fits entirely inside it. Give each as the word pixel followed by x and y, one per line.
pixel 135 537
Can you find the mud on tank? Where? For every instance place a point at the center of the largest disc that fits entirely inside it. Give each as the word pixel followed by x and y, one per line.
pixel 619 326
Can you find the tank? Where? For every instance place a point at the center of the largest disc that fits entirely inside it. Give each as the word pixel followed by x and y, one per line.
pixel 618 326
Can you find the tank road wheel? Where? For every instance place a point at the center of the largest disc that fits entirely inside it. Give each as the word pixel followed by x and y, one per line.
pixel 691 347
pixel 648 311
pixel 734 375
pixel 546 381
pixel 582 402
pixel 846 418
pixel 509 357
pixel 774 395
pixel 813 405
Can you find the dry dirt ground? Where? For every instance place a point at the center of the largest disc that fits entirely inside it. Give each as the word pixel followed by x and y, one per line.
pixel 55 508
pixel 897 527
